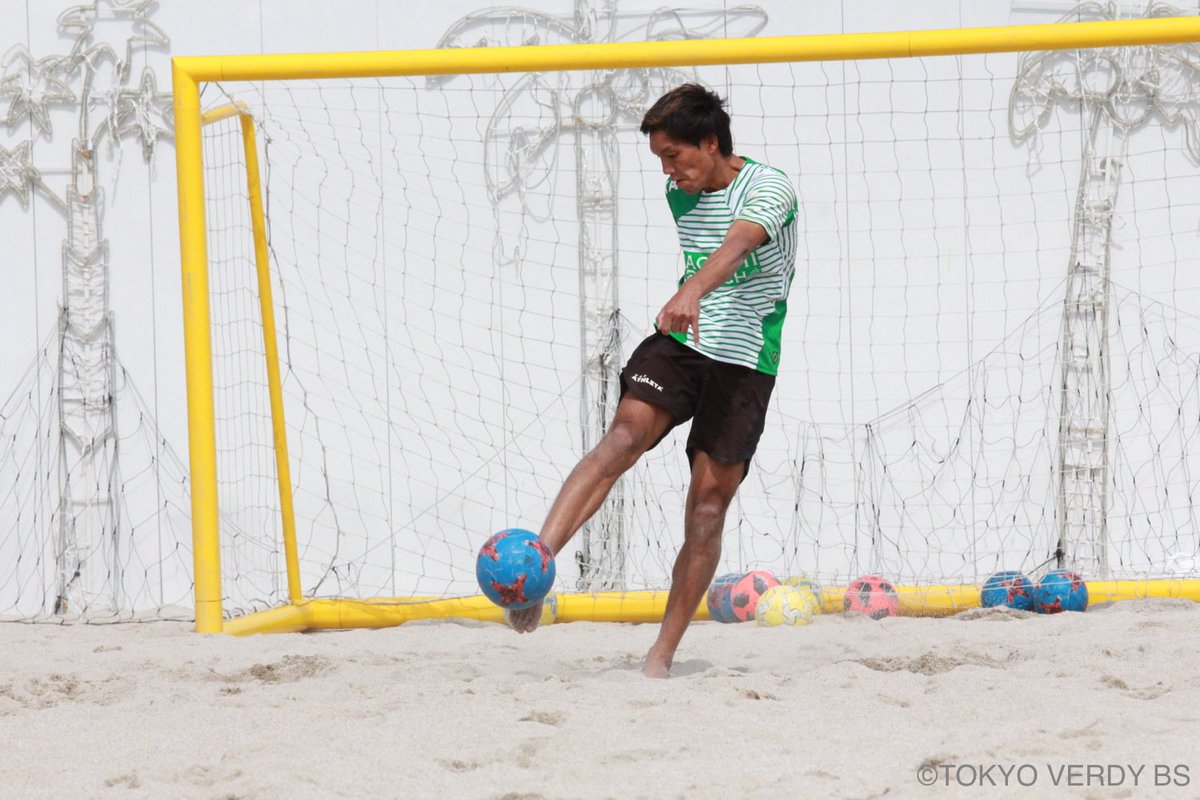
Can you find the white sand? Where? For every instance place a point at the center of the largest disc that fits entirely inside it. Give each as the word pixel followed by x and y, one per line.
pixel 845 708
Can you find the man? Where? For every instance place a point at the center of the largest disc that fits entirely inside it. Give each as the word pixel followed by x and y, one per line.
pixel 714 355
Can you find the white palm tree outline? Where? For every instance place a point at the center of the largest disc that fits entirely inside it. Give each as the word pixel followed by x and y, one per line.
pixel 1118 92
pixel 91 75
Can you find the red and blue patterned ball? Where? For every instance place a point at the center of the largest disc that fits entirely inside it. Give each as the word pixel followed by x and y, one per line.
pixel 515 569
pixel 1061 590
pixel 1009 588
pixel 719 599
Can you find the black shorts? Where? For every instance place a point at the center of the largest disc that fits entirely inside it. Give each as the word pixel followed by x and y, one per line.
pixel 728 401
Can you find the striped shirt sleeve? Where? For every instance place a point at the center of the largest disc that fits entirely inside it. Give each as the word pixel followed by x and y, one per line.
pixel 771 202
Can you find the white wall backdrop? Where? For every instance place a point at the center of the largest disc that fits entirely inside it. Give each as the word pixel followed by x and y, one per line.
pixel 140 218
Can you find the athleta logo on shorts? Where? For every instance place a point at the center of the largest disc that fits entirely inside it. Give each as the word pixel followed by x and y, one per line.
pixel 647 381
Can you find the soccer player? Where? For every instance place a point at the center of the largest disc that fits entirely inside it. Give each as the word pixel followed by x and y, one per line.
pixel 714 355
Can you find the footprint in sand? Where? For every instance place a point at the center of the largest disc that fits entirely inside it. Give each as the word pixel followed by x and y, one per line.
pixel 930 663
pixel 287 670
pixel 1147 693
pixel 48 692
pixel 129 781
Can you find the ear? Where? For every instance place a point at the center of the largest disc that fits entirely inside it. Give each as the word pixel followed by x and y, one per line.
pixel 709 144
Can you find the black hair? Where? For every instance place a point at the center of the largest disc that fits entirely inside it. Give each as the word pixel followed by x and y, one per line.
pixel 690 113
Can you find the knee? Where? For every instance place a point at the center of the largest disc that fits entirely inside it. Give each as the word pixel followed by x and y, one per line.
pixel 708 508
pixel 713 488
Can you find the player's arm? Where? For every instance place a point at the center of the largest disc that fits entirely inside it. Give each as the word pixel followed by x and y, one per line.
pixel 682 311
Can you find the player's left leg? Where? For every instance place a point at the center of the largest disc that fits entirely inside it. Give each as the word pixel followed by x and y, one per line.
pixel 712 488
pixel 729 419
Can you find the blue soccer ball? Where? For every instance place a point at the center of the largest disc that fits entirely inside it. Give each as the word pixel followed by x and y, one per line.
pixel 1061 590
pixel 720 597
pixel 515 569
pixel 1009 588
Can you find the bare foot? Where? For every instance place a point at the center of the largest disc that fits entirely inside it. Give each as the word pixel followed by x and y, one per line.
pixel 524 620
pixel 658 663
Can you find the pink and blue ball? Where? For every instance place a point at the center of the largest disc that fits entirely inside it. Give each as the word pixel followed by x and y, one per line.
pixel 1009 588
pixel 719 599
pixel 515 569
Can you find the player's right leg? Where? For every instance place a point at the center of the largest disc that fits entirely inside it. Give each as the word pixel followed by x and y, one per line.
pixel 635 428
pixel 713 486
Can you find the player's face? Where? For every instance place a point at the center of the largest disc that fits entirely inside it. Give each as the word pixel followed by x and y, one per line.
pixel 691 167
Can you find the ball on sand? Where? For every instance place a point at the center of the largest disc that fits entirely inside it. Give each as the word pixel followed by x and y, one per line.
pixel 785 605
pixel 719 600
pixel 1061 590
pixel 805 582
pixel 1010 588
pixel 873 596
pixel 743 595
pixel 515 569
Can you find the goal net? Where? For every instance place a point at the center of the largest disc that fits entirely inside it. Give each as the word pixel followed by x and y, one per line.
pixel 991 359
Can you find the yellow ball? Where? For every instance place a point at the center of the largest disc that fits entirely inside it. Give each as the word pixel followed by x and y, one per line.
pixel 785 605
pixel 804 582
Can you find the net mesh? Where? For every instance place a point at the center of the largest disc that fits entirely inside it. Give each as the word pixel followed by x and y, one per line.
pixel 435 251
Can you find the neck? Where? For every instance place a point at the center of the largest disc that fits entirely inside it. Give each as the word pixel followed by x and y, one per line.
pixel 726 169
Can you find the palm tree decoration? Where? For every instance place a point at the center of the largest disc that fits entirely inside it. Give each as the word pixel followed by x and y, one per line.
pixel 97 82
pixel 537 117
pixel 1117 91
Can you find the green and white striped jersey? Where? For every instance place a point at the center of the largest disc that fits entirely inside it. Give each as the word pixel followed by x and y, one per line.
pixel 741 321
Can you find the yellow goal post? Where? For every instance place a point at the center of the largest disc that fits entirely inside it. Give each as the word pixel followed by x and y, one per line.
pixel 190 73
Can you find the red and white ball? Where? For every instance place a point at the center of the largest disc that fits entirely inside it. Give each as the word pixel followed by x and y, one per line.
pixel 744 595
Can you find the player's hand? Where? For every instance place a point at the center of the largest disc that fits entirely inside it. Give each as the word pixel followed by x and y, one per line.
pixel 681 313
